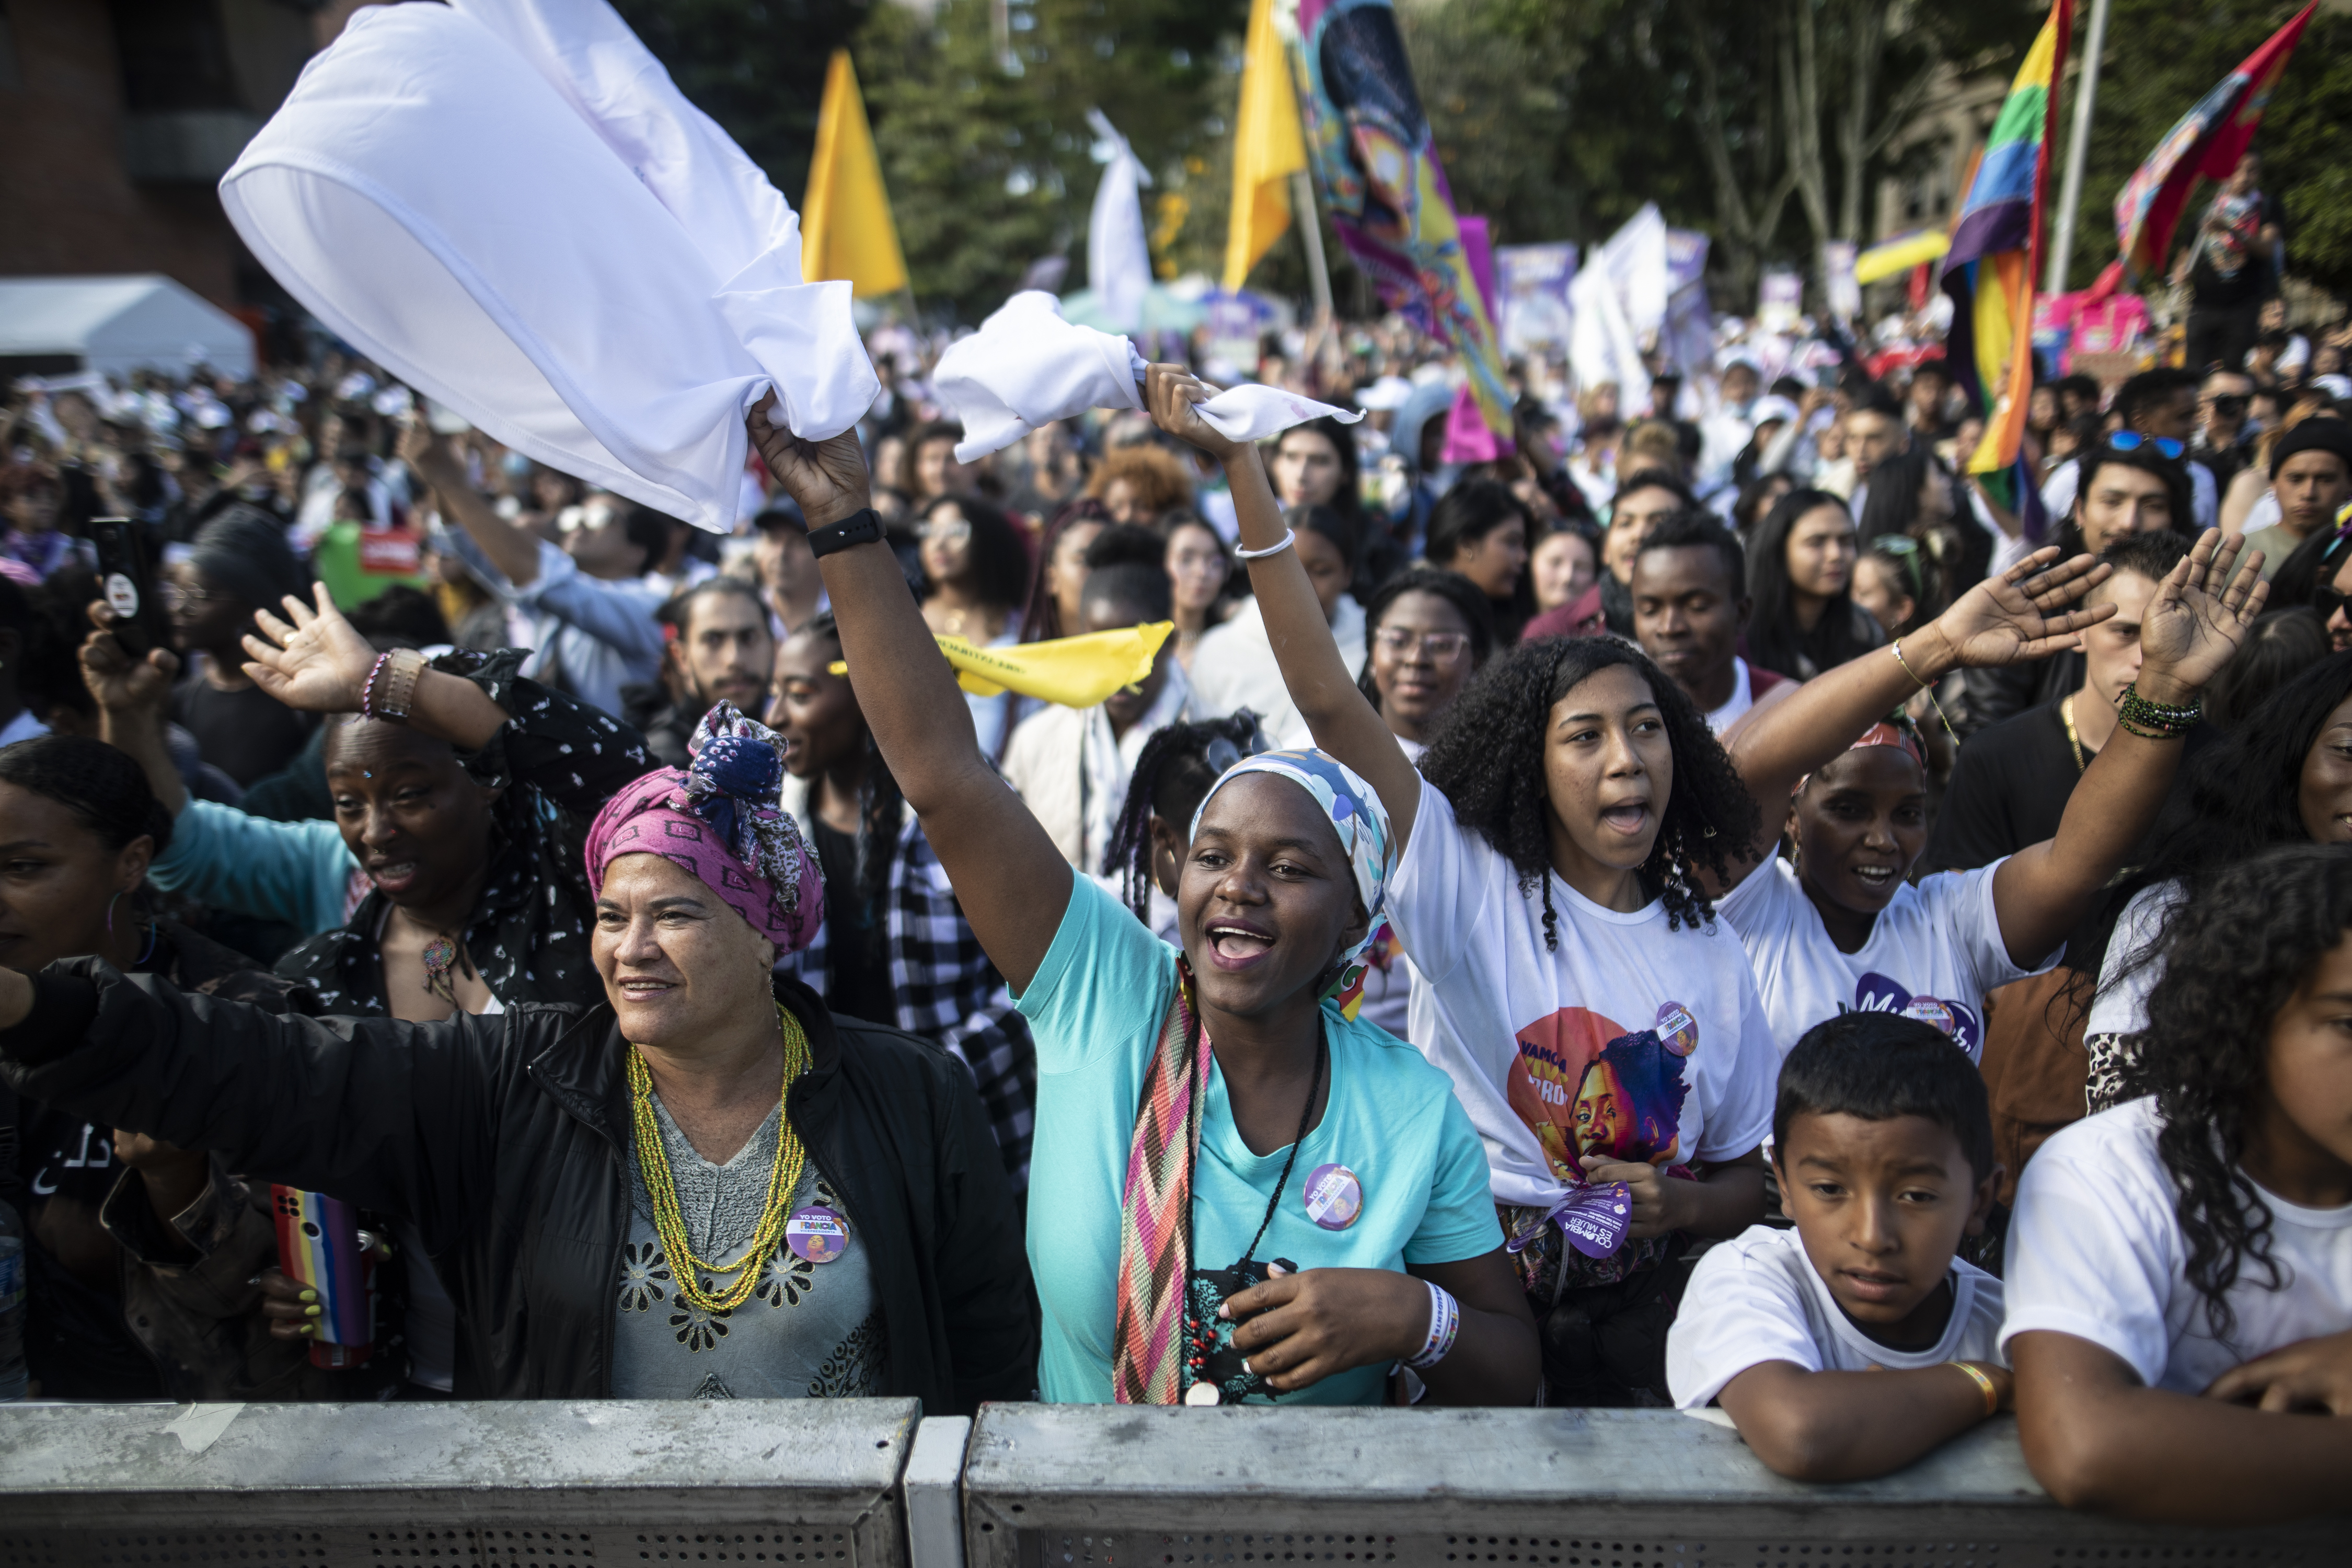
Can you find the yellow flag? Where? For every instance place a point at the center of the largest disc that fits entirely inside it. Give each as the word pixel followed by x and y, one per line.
pixel 1077 672
pixel 1267 147
pixel 846 228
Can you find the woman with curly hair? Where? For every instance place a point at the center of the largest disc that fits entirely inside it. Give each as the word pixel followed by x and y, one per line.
pixel 1838 926
pixel 1140 484
pixel 2181 1267
pixel 1572 784
pixel 2284 776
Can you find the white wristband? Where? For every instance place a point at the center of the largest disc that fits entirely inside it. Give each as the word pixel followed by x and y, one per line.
pixel 1444 1324
pixel 1289 537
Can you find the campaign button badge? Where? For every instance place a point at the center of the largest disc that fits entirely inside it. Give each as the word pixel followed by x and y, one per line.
pixel 1334 1197
pixel 818 1235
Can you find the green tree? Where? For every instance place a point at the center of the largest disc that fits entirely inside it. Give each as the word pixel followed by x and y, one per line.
pixel 2162 56
pixel 757 67
pixel 983 134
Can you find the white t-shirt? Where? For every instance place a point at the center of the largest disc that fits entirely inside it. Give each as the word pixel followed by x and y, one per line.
pixel 1933 953
pixel 2095 1251
pixel 2121 1005
pixel 1758 1298
pixel 1742 698
pixel 1522 1031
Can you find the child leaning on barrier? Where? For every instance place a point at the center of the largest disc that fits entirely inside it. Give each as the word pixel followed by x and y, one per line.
pixel 2181 1265
pixel 1850 1346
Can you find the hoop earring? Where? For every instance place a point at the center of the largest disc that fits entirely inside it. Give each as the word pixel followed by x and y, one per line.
pixel 110 911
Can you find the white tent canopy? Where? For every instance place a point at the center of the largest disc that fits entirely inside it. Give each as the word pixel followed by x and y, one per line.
pixel 120 324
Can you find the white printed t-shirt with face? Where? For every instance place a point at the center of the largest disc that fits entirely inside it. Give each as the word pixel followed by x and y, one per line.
pixel 2095 1251
pixel 1633 1040
pixel 1758 1298
pixel 1934 952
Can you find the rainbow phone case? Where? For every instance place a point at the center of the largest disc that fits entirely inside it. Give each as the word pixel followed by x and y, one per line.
pixel 318 1245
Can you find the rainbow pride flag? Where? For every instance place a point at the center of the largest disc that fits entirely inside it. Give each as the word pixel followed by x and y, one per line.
pixel 1996 251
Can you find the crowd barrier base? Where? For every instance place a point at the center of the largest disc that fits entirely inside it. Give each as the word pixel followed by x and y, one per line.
pixel 864 1484
pixel 1062 1486
pixel 556 1484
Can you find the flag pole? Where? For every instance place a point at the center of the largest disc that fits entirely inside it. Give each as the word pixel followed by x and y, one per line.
pixel 2078 150
pixel 1310 230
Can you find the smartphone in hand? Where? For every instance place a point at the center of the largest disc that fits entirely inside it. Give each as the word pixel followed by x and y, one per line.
pixel 127 582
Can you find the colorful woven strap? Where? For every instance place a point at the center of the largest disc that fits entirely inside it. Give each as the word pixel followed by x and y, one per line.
pixel 1155 1231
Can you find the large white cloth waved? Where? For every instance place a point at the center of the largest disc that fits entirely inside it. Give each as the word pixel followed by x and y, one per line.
pixel 509 206
pixel 1118 259
pixel 1027 367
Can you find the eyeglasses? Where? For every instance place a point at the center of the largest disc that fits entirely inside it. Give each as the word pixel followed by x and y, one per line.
pixel 1443 647
pixel 2132 441
pixel 174 595
pixel 572 519
pixel 2230 405
pixel 947 531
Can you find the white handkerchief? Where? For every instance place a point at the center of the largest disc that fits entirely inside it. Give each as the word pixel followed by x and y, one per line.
pixel 509 206
pixel 1027 367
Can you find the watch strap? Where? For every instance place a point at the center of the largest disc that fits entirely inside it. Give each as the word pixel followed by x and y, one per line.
pixel 399 693
pixel 861 527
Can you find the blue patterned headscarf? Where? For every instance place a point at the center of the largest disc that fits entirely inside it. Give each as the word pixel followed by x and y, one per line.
pixel 1358 818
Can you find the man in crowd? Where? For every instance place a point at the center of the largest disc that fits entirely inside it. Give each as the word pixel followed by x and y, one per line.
pixel 592 603
pixel 1690 606
pixel 787 572
pixel 1874 431
pixel 2311 476
pixel 2221 423
pixel 1925 407
pixel 720 649
pixel 1645 500
pixel 2159 407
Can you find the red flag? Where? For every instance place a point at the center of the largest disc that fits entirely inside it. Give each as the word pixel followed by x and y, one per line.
pixel 2209 140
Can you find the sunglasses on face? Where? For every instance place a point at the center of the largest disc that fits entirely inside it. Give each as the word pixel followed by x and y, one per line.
pixel 2229 406
pixel 2132 441
pixel 2326 602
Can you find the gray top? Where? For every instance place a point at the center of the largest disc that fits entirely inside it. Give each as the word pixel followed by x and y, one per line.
pixel 809 1331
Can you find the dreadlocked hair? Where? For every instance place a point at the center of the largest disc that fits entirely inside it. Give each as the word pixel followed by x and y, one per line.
pixel 882 808
pixel 1487 756
pixel 1172 777
pixel 2234 955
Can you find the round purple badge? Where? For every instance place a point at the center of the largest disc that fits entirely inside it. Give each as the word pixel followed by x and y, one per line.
pixel 1334 1197
pixel 818 1235
pixel 1677 1031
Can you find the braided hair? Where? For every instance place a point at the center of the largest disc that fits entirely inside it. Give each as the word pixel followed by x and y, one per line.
pixel 882 807
pixel 2236 955
pixel 1487 756
pixel 1172 777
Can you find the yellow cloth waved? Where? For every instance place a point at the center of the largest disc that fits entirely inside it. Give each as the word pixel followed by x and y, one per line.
pixel 1077 672
pixel 846 228
pixel 1268 147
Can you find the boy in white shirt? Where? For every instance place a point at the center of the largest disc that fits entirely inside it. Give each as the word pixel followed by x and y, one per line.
pixel 1852 1345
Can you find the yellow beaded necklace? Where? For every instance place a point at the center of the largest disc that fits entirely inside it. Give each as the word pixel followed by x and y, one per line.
pixel 784 1180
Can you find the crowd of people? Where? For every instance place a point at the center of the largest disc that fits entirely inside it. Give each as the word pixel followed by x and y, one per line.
pixel 1718 906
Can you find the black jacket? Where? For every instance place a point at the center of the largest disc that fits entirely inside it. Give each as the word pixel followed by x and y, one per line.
pixel 505 1139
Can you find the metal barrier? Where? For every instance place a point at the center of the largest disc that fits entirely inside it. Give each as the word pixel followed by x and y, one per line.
pixel 852 1484
pixel 570 1484
pixel 1061 1487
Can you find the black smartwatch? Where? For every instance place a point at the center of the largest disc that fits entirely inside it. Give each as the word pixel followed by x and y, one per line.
pixel 861 527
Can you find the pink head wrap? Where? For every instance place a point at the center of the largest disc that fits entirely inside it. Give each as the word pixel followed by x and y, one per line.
pixel 1897 732
pixel 720 820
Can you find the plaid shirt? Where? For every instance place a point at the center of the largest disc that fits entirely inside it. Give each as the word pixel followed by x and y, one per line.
pixel 943 986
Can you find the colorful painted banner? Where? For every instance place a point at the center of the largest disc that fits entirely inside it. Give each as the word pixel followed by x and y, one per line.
pixel 1370 143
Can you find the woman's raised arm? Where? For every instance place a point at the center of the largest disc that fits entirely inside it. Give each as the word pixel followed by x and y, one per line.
pixel 1012 883
pixel 1342 721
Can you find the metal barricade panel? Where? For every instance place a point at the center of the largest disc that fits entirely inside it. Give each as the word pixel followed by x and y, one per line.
pixel 805 1482
pixel 1106 1487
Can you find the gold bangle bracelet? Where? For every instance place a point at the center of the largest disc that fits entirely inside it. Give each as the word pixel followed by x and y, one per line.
pixel 1984 1385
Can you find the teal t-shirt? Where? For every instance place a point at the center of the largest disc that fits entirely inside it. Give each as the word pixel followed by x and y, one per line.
pixel 1095 1009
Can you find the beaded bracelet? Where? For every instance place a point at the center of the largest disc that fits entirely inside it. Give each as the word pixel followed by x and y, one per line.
pixel 2158 720
pixel 1444 1322
pixel 367 690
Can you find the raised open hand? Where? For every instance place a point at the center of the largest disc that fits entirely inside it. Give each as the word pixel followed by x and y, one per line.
pixel 318 664
pixel 2200 613
pixel 828 479
pixel 2025 613
pixel 1170 391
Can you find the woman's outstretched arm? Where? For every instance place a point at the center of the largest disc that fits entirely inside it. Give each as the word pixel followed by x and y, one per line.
pixel 1343 723
pixel 1012 883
